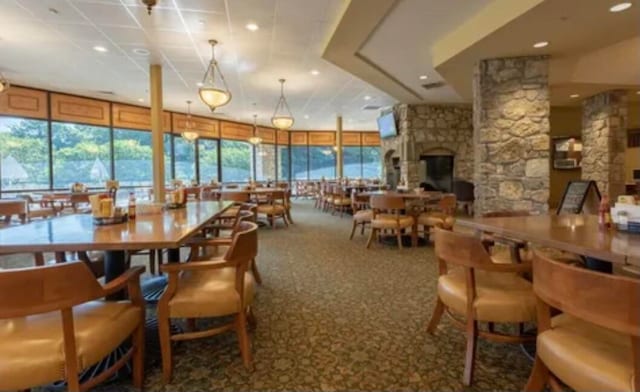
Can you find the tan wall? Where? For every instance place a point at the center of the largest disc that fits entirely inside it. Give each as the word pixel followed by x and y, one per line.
pixel 564 121
pixel 632 156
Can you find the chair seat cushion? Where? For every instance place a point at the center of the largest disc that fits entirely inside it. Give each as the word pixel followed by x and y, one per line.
pixel 229 213
pixel 390 221
pixel 587 357
pixel 209 293
pixel 268 209
pixel 33 347
pixel 432 219
pixel 363 216
pixel 345 201
pixel 500 297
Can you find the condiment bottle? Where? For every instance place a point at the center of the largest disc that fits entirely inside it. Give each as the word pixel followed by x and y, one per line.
pixel 131 210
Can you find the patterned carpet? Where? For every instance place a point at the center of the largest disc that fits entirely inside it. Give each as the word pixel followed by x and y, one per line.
pixel 333 316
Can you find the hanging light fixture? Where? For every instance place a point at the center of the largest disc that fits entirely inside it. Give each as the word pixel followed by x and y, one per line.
pixel 149 4
pixel 282 118
pixel 188 134
pixel 255 139
pixel 211 95
pixel 4 83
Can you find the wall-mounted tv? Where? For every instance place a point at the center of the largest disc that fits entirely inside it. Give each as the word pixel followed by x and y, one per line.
pixel 387 125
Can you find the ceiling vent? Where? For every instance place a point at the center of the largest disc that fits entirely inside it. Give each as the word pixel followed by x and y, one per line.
pixel 105 92
pixel 434 85
pixel 371 107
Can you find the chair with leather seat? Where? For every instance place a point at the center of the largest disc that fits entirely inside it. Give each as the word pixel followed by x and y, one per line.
pixel 362 214
pixel 437 218
pixel 275 208
pixel 341 200
pixel 38 209
pixel 594 344
pixel 388 216
pixel 473 288
pixel 54 324
pixel 212 288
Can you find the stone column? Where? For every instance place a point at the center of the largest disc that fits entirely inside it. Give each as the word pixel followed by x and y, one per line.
pixel 604 139
pixel 511 134
pixel 157 132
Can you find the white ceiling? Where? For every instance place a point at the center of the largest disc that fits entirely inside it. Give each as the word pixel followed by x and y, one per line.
pixel 54 50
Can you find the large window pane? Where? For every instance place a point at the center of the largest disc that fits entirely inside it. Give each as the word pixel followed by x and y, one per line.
pixel 24 154
pixel 184 155
pixel 299 163
pixel 81 153
pixel 283 163
pixel 208 160
pixel 236 161
pixel 371 162
pixel 265 162
pixel 352 162
pixel 132 156
pixel 168 157
pixel 322 162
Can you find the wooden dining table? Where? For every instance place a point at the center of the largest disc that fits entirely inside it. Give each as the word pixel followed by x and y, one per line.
pixel 579 234
pixel 17 207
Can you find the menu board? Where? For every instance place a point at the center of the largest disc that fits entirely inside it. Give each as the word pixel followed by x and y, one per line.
pixel 580 197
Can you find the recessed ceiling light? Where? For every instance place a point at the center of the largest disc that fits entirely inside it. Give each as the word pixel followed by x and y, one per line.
pixel 252 27
pixel 141 51
pixel 140 99
pixel 574 96
pixel 620 7
pixel 367 97
pixel 54 11
pixel 201 22
pixel 541 44
pixel 315 72
pixel 423 77
pixel 306 116
pixel 199 84
pixel 101 49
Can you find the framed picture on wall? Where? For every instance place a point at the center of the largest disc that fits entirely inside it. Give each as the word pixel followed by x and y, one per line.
pixel 567 153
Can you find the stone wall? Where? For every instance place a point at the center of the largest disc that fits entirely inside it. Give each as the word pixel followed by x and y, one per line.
pixel 511 134
pixel 604 139
pixel 437 129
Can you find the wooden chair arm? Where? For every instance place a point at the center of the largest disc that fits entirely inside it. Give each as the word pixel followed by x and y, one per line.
pixel 214 263
pixel 130 276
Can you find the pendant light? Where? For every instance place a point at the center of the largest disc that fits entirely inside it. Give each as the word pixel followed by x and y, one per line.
pixel 188 134
pixel 4 83
pixel 282 118
pixel 255 139
pixel 211 95
pixel 150 4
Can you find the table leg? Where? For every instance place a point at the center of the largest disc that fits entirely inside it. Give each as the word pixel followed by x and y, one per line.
pixel 115 264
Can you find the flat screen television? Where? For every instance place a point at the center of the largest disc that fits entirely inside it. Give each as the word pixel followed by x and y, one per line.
pixel 387 125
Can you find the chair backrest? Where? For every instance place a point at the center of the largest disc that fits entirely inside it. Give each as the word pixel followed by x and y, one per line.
pixel 239 197
pixel 463 190
pixel 606 300
pixel 387 203
pixel 231 186
pixel 278 197
pixel 244 247
pixel 447 203
pixel 506 214
pixel 28 291
pixel 461 249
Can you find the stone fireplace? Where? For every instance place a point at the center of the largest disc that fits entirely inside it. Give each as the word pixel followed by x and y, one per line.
pixel 431 139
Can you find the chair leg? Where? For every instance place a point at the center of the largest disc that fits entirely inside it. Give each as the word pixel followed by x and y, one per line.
pixel 165 346
pixel 243 338
pixel 362 228
pixel 251 318
pixel 538 378
pixel 353 229
pixel 289 217
pixel 469 361
pixel 372 235
pixel 256 273
pixel 138 356
pixel 436 316
pixel 399 237
pixel 152 261
pixel 191 324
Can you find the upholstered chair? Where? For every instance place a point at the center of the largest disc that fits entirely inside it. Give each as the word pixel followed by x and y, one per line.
pixel 54 323
pixel 594 344
pixel 362 214
pixel 212 288
pixel 388 216
pixel 341 200
pixel 431 219
pixel 473 288
pixel 275 207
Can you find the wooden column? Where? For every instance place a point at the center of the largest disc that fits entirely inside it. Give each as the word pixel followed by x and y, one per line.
pixel 339 161
pixel 157 135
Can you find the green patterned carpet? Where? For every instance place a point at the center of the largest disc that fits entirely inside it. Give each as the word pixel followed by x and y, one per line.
pixel 333 316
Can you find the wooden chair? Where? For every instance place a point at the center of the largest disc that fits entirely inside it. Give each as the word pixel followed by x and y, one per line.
pixel 212 288
pixel 326 196
pixel 238 198
pixel 276 207
pixel 38 209
pixel 516 249
pixel 341 200
pixel 53 325
pixel 288 206
pixel 480 290
pixel 438 218
pixel 594 344
pixel 362 214
pixel 387 216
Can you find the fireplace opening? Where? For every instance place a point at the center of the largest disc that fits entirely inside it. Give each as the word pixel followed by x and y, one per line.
pixel 436 172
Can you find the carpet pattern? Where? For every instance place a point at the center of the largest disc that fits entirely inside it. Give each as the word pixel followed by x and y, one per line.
pixel 334 316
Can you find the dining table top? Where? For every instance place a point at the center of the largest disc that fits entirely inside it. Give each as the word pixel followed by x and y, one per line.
pixel 578 234
pixel 77 232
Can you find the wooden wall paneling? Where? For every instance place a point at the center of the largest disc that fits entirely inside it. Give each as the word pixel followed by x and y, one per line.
pixel 298 138
pixel 351 138
pixel 268 135
pixel 205 127
pixel 322 138
pixel 370 139
pixel 24 102
pixel 235 131
pixel 136 117
pixel 283 137
pixel 74 109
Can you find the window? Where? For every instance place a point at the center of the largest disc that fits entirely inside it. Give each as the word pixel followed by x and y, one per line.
pixel 184 156
pixel 168 157
pixel 322 162
pixel 24 154
pixel 283 163
pixel 235 160
pixel 265 162
pixel 133 157
pixel 352 158
pixel 208 160
pixel 299 163
pixel 81 153
pixel 371 162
